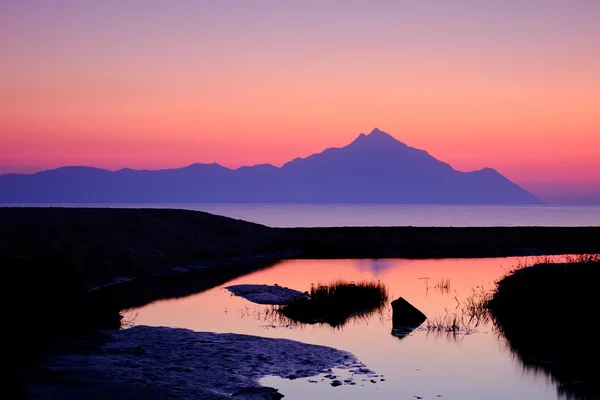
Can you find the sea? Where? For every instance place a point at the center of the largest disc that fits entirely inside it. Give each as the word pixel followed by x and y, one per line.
pixel 329 215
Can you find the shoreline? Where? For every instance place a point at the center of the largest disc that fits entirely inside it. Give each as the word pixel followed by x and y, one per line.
pixel 53 257
pixel 543 312
pixel 112 259
pixel 141 363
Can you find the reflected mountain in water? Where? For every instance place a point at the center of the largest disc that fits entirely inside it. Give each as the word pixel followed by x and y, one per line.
pixel 376 266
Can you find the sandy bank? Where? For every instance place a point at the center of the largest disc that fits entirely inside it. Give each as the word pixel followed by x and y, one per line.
pixel 164 363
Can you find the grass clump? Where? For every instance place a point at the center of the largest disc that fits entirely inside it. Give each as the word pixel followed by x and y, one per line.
pixel 468 315
pixel 443 286
pixel 449 323
pixel 336 303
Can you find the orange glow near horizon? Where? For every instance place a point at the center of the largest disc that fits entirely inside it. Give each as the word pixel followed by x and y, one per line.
pixel 95 86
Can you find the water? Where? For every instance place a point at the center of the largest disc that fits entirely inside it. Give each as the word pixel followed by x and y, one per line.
pixel 307 215
pixel 475 364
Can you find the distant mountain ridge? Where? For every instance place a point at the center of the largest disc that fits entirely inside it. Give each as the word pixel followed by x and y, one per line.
pixel 374 168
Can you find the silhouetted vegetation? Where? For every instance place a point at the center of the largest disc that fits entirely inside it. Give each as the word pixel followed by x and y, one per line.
pixel 466 317
pixel 337 302
pixel 51 257
pixel 443 286
pixel 544 312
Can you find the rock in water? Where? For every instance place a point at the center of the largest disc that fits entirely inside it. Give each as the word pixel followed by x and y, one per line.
pixel 266 294
pixel 405 317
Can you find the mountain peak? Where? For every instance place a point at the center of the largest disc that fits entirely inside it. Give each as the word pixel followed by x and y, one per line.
pixel 377 138
pixel 381 135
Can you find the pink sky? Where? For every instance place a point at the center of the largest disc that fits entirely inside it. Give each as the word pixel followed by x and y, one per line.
pixel 513 86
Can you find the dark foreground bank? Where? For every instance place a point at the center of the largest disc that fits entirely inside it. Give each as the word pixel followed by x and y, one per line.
pixel 52 257
pixel 52 254
pixel 547 313
pixel 93 246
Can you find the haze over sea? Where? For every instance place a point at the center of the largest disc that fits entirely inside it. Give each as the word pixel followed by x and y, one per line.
pixel 329 215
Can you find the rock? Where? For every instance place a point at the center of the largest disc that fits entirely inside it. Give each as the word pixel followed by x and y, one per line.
pixel 265 294
pixel 258 393
pixel 405 317
pixel 336 383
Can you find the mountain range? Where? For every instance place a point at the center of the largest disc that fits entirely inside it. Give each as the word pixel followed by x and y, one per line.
pixel 374 168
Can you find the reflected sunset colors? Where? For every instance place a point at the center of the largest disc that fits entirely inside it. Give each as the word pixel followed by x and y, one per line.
pixel 510 85
pixel 473 363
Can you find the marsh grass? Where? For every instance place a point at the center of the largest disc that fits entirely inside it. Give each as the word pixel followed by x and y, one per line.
pixel 129 316
pixel 545 260
pixel 450 323
pixel 338 302
pixel 443 286
pixel 475 307
pixel 467 315
pixel 269 315
pixel 537 308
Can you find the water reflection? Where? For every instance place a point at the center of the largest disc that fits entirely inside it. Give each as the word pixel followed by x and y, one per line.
pixel 337 303
pixel 543 327
pixel 274 317
pixel 465 363
pixel 573 381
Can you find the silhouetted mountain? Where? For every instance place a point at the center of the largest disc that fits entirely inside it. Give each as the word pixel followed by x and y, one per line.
pixel 374 168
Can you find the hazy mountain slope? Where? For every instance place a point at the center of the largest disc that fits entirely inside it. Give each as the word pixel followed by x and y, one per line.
pixel 374 168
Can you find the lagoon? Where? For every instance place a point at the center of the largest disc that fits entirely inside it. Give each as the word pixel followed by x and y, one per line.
pixel 474 363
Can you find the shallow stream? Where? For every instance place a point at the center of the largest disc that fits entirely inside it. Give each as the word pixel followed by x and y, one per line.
pixel 473 363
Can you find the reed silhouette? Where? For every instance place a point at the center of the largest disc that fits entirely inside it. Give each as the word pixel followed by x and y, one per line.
pixel 545 312
pixel 337 302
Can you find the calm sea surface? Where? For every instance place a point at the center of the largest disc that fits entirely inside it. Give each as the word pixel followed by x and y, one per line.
pixel 294 215
pixel 472 364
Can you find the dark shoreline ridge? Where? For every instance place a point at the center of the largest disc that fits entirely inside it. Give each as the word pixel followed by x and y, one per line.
pixel 67 250
pixel 52 257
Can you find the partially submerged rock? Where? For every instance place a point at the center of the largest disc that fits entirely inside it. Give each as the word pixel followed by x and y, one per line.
pixel 405 317
pixel 266 294
pixel 152 363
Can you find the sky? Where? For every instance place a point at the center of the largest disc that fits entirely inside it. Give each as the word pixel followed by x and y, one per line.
pixel 512 85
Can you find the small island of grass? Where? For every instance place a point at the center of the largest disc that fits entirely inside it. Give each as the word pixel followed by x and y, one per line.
pixel 337 302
